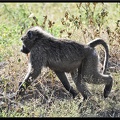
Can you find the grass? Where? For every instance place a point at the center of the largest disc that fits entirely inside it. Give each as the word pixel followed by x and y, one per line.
pixel 76 21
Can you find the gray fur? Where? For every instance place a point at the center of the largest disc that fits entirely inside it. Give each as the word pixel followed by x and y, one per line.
pixel 62 56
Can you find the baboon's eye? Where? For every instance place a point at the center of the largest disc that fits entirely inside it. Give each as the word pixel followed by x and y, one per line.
pixel 30 34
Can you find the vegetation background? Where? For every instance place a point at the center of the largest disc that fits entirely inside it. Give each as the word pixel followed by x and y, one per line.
pixel 81 22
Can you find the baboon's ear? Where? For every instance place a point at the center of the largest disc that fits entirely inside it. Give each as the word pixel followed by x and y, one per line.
pixel 30 34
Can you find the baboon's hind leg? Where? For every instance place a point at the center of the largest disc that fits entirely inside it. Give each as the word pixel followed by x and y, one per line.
pixel 63 79
pixel 108 87
pixel 92 75
pixel 80 84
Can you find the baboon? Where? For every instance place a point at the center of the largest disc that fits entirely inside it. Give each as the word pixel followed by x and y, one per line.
pixel 62 55
pixel 25 50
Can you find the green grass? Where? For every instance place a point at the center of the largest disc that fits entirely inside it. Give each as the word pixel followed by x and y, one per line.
pixel 65 20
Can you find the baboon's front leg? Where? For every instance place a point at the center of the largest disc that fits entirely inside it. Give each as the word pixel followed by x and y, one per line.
pixel 63 79
pixel 33 72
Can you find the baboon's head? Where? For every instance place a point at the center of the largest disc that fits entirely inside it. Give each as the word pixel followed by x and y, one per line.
pixel 25 50
pixel 30 37
pixel 33 35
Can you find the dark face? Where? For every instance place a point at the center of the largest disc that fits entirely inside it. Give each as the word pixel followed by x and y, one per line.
pixel 25 50
pixel 30 38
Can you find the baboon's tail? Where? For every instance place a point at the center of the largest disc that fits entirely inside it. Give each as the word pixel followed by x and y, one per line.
pixel 99 41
